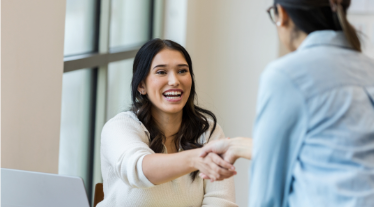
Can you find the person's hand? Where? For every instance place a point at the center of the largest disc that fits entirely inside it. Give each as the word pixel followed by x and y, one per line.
pixel 217 146
pixel 214 167
pixel 229 149
pixel 222 147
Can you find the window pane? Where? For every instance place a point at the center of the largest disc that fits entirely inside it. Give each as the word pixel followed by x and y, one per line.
pixel 130 22
pixel 119 87
pixel 76 116
pixel 79 26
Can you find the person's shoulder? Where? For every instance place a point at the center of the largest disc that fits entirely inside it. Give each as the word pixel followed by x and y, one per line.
pixel 124 120
pixel 275 77
pixel 127 116
pixel 284 63
pixel 278 69
pixel 292 71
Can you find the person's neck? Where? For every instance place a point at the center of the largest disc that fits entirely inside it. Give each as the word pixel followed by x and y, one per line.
pixel 299 40
pixel 168 123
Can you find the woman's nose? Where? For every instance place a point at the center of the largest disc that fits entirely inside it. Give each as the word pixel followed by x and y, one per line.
pixel 173 79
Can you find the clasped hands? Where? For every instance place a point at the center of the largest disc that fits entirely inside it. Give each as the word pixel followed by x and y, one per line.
pixel 218 157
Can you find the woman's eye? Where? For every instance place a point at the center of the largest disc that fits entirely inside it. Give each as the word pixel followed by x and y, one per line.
pixel 161 72
pixel 183 71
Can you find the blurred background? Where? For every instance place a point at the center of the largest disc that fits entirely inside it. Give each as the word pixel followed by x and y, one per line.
pixel 67 68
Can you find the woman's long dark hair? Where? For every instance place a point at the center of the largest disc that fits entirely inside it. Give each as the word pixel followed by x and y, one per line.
pixel 194 120
pixel 314 15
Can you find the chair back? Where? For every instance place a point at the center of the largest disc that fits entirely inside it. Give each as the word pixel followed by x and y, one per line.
pixel 99 194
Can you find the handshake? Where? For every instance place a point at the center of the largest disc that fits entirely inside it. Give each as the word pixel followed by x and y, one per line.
pixel 217 157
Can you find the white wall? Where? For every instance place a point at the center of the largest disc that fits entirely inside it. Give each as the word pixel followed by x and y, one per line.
pixel 32 37
pixel 230 43
pixel 364 24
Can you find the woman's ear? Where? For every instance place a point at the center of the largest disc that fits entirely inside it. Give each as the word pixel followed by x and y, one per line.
pixel 141 88
pixel 283 17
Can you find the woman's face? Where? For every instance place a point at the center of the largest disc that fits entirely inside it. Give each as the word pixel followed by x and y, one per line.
pixel 168 84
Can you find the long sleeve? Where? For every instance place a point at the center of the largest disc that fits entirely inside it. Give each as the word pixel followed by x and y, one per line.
pixel 123 146
pixel 219 193
pixel 279 129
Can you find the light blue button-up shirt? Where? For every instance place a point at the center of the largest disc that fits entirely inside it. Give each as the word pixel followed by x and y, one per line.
pixel 314 132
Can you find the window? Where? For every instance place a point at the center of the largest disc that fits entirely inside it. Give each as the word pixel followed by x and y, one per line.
pixel 76 115
pixel 101 40
pixel 130 22
pixel 119 91
pixel 80 27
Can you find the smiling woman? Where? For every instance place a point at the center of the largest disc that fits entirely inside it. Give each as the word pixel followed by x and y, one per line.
pixel 168 85
pixel 150 155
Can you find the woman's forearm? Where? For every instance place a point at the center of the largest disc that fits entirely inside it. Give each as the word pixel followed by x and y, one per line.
pixel 162 168
pixel 241 147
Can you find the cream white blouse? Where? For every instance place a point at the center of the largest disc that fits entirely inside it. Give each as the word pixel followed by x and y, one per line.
pixel 124 143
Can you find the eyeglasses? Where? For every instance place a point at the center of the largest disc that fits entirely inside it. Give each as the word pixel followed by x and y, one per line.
pixel 272 14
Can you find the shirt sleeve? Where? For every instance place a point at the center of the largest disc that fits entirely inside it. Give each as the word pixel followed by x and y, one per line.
pixel 219 193
pixel 123 146
pixel 279 129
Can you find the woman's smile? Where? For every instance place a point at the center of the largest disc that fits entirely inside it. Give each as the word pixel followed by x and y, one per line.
pixel 173 95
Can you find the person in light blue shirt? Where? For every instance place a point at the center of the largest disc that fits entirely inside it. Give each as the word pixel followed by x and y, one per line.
pixel 313 141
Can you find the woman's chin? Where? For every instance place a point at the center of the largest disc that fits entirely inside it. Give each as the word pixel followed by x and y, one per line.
pixel 172 108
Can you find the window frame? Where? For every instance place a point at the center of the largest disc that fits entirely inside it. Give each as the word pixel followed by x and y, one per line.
pixel 99 61
pixel 97 58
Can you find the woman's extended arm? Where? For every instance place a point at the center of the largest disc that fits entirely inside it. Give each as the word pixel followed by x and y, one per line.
pixel 161 168
pixel 124 146
pixel 278 134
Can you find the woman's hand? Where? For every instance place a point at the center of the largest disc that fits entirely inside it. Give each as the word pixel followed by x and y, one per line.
pixel 214 167
pixel 229 149
pixel 221 147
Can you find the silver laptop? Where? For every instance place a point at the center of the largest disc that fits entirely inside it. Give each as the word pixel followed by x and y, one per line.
pixel 33 189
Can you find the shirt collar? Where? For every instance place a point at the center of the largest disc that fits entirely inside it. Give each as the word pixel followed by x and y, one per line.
pixel 325 37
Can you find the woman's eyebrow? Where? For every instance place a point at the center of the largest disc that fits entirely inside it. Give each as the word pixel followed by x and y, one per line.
pixel 164 66
pixel 159 66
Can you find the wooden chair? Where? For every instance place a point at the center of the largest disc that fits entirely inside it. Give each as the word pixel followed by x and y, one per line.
pixel 99 193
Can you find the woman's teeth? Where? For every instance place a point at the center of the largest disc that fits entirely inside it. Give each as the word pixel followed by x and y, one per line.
pixel 173 93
